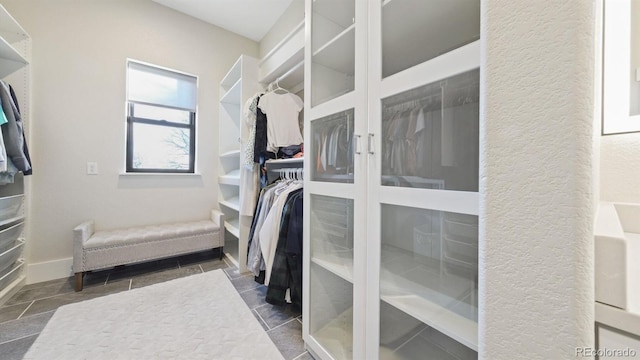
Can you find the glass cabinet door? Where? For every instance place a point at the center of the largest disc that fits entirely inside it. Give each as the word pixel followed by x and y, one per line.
pixel 428 284
pixel 332 49
pixel 430 135
pixel 331 275
pixel 415 31
pixel 423 187
pixel 332 151
pixel 330 158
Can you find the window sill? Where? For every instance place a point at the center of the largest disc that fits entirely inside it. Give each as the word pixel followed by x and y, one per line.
pixel 142 174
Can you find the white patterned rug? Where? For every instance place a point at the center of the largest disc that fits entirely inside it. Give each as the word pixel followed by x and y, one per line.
pixel 197 317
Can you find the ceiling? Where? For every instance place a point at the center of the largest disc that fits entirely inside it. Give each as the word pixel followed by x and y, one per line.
pixel 249 18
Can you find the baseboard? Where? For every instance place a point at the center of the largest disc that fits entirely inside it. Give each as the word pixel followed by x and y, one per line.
pixel 49 270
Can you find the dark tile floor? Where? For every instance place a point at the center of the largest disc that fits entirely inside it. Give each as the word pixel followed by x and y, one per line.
pixel 24 315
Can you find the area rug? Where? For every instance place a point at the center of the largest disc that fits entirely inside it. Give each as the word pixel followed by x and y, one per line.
pixel 198 317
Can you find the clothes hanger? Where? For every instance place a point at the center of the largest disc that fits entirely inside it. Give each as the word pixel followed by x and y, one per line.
pixel 278 88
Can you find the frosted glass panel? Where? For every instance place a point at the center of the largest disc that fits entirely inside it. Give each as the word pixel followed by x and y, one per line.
pixel 430 135
pixel 405 337
pixel 331 232
pixel 331 274
pixel 414 31
pixel 332 148
pixel 332 49
pixel 331 312
pixel 428 283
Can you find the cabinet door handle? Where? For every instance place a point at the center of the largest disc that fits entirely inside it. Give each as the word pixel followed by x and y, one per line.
pixel 370 144
pixel 357 146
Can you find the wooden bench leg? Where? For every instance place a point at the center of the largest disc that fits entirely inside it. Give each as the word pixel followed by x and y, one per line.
pixel 79 276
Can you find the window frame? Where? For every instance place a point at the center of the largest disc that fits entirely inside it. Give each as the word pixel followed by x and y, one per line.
pixel 132 120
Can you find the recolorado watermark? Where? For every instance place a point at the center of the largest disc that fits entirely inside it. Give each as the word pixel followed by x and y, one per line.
pixel 605 352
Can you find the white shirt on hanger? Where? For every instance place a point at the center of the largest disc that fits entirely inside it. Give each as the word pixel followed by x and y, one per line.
pixel 282 112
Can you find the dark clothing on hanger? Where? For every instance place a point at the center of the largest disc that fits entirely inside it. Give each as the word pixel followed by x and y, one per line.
pixel 260 145
pixel 24 143
pixel 286 273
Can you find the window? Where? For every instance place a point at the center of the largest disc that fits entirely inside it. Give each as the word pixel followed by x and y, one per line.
pixel 161 120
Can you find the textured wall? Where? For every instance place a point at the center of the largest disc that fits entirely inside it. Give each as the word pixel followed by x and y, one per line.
pixel 536 257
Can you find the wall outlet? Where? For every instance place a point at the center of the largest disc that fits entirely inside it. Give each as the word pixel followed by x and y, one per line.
pixel 92 168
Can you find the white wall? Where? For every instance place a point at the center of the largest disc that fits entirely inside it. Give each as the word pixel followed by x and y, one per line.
pixel 78 115
pixel 536 179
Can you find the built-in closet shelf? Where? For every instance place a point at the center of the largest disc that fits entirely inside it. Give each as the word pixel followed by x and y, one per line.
pixel 286 161
pixel 284 57
pixel 233 203
pixel 10 256
pixel 9 236
pixel 233 75
pixel 11 277
pixel 12 220
pixel 10 59
pixel 9 27
pixel 292 79
pixel 341 267
pixel 232 96
pixel 11 32
pixel 230 154
pixel 339 12
pixel 233 226
pixel 335 53
pixel 231 178
pixel 238 86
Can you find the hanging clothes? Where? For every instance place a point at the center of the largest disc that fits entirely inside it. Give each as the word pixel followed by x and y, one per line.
pixel 287 264
pixel 14 153
pixel 25 149
pixel 275 247
pixel 283 128
pixel 250 171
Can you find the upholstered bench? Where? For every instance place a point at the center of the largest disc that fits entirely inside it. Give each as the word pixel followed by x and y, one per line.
pixel 95 250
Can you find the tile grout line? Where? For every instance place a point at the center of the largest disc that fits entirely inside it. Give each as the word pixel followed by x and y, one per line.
pixel 25 310
pixel 243 291
pixel 299 356
pixel 20 338
pixel 260 316
pixel 284 323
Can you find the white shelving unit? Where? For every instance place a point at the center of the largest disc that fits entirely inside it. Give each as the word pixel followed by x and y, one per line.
pixel 239 85
pixel 391 182
pixel 285 61
pixel 14 54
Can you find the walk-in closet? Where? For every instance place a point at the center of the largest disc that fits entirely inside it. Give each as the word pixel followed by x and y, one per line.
pixel 319 179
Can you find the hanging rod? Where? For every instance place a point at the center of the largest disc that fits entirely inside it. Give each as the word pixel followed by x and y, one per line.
pixel 286 74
